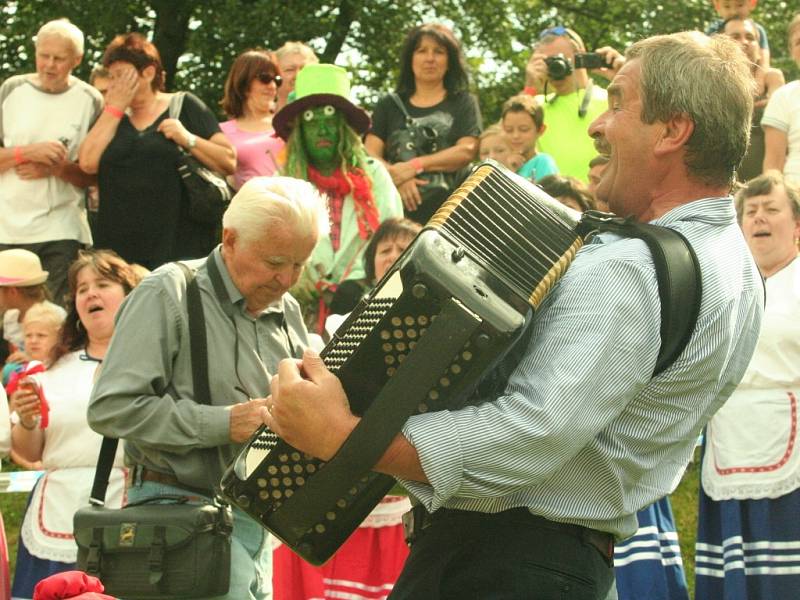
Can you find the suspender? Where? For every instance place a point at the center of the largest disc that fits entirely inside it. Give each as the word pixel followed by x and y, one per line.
pixel 678 273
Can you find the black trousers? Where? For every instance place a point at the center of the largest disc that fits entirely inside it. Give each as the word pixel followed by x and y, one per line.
pixel 465 555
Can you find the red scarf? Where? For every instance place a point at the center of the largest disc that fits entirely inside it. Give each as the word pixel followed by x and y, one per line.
pixel 336 186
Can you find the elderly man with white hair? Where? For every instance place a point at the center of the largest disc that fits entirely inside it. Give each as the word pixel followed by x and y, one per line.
pixel 145 395
pixel 44 117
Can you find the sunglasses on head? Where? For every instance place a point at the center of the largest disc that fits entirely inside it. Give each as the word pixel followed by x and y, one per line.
pixel 267 78
pixel 560 31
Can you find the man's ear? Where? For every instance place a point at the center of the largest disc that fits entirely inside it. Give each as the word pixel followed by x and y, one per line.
pixel 228 238
pixel 675 134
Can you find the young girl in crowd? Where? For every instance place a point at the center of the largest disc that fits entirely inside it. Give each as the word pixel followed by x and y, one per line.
pixel 495 144
pixel 523 123
pixel 40 328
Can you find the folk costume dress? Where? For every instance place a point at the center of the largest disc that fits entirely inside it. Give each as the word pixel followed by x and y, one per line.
pixel 748 541
pixel 70 454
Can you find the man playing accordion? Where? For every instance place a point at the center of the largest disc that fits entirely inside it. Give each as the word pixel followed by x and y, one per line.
pixel 528 490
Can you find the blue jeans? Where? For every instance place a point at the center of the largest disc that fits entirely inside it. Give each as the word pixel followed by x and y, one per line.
pixel 251 551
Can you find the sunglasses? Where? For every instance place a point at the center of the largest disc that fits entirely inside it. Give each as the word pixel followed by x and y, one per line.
pixel 559 31
pixel 267 78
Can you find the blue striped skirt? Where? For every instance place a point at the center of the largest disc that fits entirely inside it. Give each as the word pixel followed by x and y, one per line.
pixel 748 549
pixel 648 565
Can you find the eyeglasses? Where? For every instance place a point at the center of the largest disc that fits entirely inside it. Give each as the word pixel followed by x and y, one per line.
pixel 267 78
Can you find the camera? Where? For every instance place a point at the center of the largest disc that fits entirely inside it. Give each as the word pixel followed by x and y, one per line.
pixel 558 67
pixel 590 60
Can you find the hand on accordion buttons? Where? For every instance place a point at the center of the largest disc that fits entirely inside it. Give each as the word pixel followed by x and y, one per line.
pixel 311 413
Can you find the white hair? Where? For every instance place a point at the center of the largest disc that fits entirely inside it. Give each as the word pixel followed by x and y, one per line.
pixel 65 29
pixel 263 202
pixel 290 48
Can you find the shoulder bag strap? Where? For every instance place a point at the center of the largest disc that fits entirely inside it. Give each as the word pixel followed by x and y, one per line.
pixel 176 105
pixel 399 102
pixel 197 337
pixel 680 287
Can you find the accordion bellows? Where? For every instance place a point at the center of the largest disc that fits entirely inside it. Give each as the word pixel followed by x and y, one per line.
pixel 439 320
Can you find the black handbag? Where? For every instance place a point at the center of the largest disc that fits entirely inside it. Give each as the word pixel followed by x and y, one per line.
pixel 164 547
pixel 207 192
pixel 420 139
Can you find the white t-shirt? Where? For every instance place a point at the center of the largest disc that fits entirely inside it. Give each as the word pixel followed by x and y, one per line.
pixel 46 209
pixel 783 113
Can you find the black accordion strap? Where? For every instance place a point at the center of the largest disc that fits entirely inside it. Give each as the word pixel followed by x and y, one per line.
pixel 680 287
pixel 202 391
pixel 398 399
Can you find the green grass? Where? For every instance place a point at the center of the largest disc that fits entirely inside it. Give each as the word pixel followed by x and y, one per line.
pixel 684 508
pixel 12 507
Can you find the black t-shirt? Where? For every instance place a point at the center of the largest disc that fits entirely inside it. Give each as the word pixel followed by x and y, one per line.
pixel 454 117
pixel 143 213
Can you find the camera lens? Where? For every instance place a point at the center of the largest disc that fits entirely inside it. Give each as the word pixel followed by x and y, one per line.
pixel 558 67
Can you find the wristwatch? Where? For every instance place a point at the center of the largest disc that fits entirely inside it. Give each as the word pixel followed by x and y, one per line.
pixel 191 140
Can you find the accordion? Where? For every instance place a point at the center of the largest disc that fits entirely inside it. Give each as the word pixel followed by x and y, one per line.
pixel 442 317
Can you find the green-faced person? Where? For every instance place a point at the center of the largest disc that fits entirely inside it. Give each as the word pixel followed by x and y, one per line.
pixel 320 127
pixel 323 132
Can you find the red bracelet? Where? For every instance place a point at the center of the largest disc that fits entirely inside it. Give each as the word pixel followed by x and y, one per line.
pixel 18 158
pixel 114 111
pixel 530 90
pixel 417 164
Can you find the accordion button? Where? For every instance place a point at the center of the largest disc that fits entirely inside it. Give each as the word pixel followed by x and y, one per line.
pixel 482 341
pixel 419 290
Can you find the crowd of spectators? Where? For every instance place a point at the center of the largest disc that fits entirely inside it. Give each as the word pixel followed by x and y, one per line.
pixel 104 153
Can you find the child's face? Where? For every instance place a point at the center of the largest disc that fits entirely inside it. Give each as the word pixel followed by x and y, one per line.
pixel 495 147
pixel 40 339
pixel 734 8
pixel 521 131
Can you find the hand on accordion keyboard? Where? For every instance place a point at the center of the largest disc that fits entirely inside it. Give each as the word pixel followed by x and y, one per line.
pixel 312 414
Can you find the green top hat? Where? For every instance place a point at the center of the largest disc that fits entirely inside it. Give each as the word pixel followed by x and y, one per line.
pixel 321 85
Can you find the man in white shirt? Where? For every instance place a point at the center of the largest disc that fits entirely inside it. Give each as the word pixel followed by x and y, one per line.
pixel 44 117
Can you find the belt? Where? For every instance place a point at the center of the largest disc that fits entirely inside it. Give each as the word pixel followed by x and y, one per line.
pixel 418 519
pixel 142 473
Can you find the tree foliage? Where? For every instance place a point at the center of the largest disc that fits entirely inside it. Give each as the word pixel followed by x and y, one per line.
pixel 198 39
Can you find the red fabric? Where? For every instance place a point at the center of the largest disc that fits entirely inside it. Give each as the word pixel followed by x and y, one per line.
pixel 337 186
pixel 365 567
pixel 5 577
pixel 31 368
pixel 70 584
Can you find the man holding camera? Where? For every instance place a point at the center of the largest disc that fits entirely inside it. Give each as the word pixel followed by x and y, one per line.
pixel 557 74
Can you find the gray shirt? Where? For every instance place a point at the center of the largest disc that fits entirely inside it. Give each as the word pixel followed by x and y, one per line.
pixel 144 392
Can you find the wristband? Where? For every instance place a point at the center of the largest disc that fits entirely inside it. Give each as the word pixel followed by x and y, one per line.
pixel 113 111
pixel 530 90
pixel 417 164
pixel 191 140
pixel 18 158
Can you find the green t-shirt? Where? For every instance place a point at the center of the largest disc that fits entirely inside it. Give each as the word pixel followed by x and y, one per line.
pixel 567 137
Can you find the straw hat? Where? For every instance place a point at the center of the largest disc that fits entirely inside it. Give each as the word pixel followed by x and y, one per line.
pixel 20 268
pixel 320 85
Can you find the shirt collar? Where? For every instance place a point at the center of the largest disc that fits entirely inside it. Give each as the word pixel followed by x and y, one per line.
pixel 234 295
pixel 714 211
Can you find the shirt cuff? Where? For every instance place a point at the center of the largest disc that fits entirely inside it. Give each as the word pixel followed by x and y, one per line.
pixel 214 425
pixel 438 446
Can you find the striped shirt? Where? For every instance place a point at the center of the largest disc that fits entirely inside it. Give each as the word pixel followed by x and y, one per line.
pixel 583 432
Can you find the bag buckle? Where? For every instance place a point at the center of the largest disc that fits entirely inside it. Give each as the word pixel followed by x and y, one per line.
pixel 156 558
pixel 94 556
